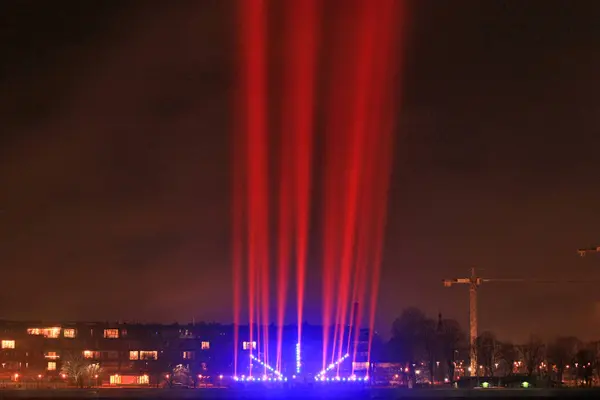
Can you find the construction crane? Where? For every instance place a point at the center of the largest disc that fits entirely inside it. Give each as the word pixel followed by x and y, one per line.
pixel 474 282
pixel 583 252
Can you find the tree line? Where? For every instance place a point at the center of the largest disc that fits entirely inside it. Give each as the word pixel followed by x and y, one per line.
pixel 440 349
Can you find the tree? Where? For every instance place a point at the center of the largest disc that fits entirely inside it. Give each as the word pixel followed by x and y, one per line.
pixel 561 353
pixel 181 374
pixel 532 353
pixel 416 339
pixel 159 369
pixel 509 355
pixel 429 343
pixel 407 344
pixel 595 347
pixel 488 352
pixel 584 360
pixel 406 341
pixel 452 339
pixel 80 370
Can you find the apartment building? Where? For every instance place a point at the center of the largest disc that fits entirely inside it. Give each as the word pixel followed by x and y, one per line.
pixel 127 353
pixel 139 354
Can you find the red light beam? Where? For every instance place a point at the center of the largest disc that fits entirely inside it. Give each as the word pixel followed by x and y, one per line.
pixel 252 15
pixel 391 16
pixel 362 85
pixel 301 82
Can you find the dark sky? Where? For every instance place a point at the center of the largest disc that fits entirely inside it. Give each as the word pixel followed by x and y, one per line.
pixel 114 170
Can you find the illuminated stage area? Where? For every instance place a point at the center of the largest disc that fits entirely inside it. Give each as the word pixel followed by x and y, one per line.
pixel 303 363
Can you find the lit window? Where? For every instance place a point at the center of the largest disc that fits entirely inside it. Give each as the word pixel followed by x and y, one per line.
pixel 111 333
pixel 51 365
pixel 205 345
pixel 91 354
pixel 52 355
pixel 69 333
pixel 134 355
pixel 247 345
pixel 8 344
pixel 148 355
pixel 115 379
pixel 360 365
pixel 188 355
pixel 143 380
pixel 51 333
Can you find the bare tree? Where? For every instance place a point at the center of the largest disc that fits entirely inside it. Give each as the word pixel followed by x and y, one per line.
pixel 533 354
pixel 488 352
pixel 585 360
pixel 595 347
pixel 561 353
pixel 80 370
pixel 452 340
pixel 408 343
pixel 510 355
pixel 429 343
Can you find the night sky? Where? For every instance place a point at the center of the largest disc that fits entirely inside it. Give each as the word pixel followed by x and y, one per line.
pixel 115 175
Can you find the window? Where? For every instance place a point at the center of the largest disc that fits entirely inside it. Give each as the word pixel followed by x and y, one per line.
pixel 51 333
pixel 148 355
pixel 111 333
pixel 51 365
pixel 69 333
pixel 143 380
pixel 115 379
pixel 205 345
pixel 51 355
pixel 360 365
pixel 188 355
pixel 91 354
pixel 134 355
pixel 246 345
pixel 8 344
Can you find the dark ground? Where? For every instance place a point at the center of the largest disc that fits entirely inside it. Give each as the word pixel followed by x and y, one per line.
pixel 315 393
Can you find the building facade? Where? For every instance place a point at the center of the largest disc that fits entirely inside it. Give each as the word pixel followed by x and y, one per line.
pixel 146 354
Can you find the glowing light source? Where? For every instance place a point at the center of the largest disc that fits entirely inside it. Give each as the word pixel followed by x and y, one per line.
pixel 267 366
pixel 333 365
pixel 298 358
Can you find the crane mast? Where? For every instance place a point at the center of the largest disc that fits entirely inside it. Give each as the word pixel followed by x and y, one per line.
pixel 473 281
